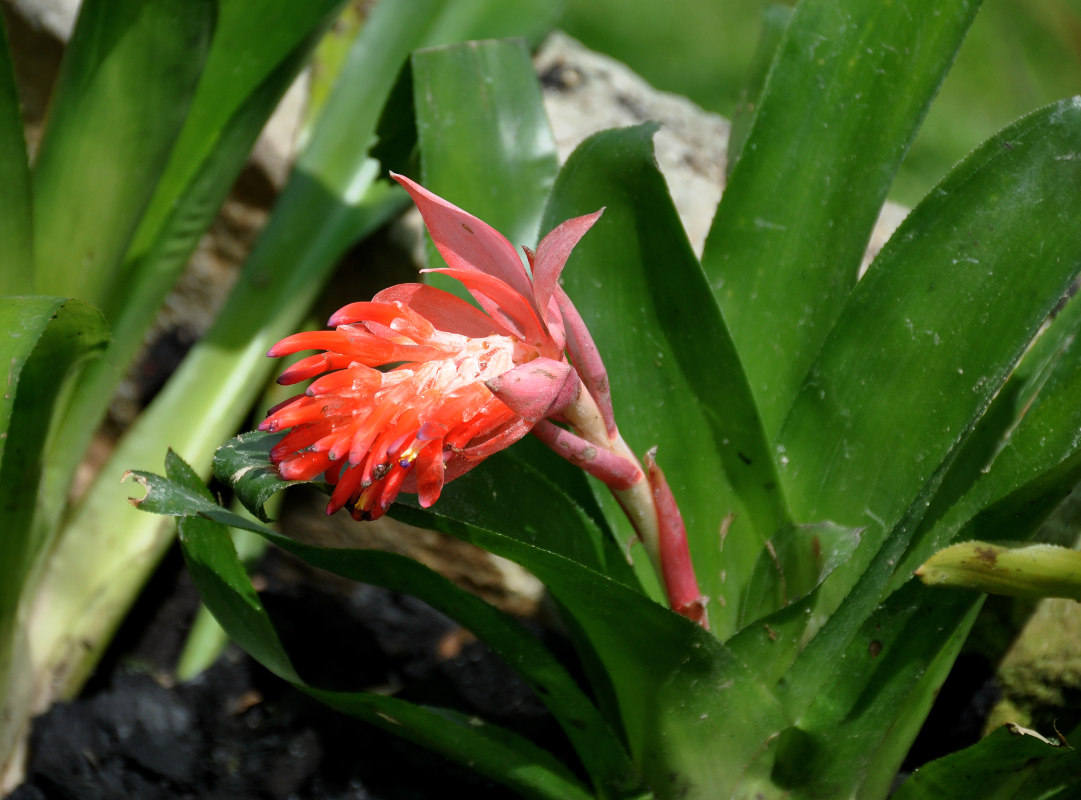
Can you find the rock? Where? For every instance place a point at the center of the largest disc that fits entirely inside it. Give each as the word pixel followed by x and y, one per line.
pixel 586 92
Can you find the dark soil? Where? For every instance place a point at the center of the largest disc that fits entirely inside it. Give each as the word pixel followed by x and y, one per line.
pixel 239 732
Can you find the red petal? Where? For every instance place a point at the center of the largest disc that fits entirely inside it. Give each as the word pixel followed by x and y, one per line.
pixel 553 252
pixel 537 389
pixel 311 366
pixel 466 242
pixel 503 303
pixel 430 473
pixel 443 309
pixel 357 380
pixel 395 317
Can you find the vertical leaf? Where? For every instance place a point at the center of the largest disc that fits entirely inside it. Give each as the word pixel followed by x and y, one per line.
pixel 849 87
pixel 484 136
pixel 16 232
pixel 102 153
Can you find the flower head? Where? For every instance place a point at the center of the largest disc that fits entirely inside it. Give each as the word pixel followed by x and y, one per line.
pixel 418 386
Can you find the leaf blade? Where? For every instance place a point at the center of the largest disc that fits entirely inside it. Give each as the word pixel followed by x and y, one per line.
pixel 787 240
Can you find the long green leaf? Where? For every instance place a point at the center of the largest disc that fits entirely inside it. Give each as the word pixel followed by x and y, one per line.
pixel 484 136
pixel 696 718
pixel 1022 459
pixel 248 69
pixel 937 325
pixel 676 379
pixel 926 341
pixel 45 341
pixel 786 244
pixel 182 494
pixel 1012 763
pixel 226 588
pixel 102 152
pixel 16 231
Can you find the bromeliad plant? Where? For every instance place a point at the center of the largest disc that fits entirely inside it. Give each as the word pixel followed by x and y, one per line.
pixel 824 435
pixel 155 111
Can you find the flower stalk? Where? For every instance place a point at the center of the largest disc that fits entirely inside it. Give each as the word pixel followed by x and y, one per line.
pixel 416 387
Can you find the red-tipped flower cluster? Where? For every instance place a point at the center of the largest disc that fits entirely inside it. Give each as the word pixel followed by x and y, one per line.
pixel 418 386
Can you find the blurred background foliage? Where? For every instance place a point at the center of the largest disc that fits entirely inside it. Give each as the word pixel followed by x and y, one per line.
pixel 1019 55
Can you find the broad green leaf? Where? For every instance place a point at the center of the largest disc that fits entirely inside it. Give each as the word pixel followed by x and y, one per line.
pixel 484 137
pixel 937 325
pixel 16 231
pixel 696 718
pixel 786 244
pixel 857 725
pixel 1022 458
pixel 44 341
pixel 676 380
pixel 183 494
pixel 1012 763
pixel 250 64
pixel 102 153
pixel 927 339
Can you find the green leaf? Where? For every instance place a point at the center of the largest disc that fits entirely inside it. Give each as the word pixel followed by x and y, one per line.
pixel 243 463
pixel 676 380
pixel 855 726
pixel 925 342
pixel 102 154
pixel 16 230
pixel 936 326
pixel 44 341
pixel 226 589
pixel 1012 763
pixel 1022 458
pixel 693 749
pixel 183 494
pixel 793 564
pixel 775 18
pixel 250 64
pixel 484 136
pixel 787 241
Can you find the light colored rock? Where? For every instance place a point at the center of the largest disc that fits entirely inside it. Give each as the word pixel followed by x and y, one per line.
pixel 55 16
pixel 586 92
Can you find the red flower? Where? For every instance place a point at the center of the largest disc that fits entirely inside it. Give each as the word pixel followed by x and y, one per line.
pixel 418 386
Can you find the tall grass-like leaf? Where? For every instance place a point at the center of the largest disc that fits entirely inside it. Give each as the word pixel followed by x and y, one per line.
pixel 45 341
pixel 16 231
pixel 924 345
pixel 479 113
pixel 102 152
pixel 846 93
pixel 249 67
